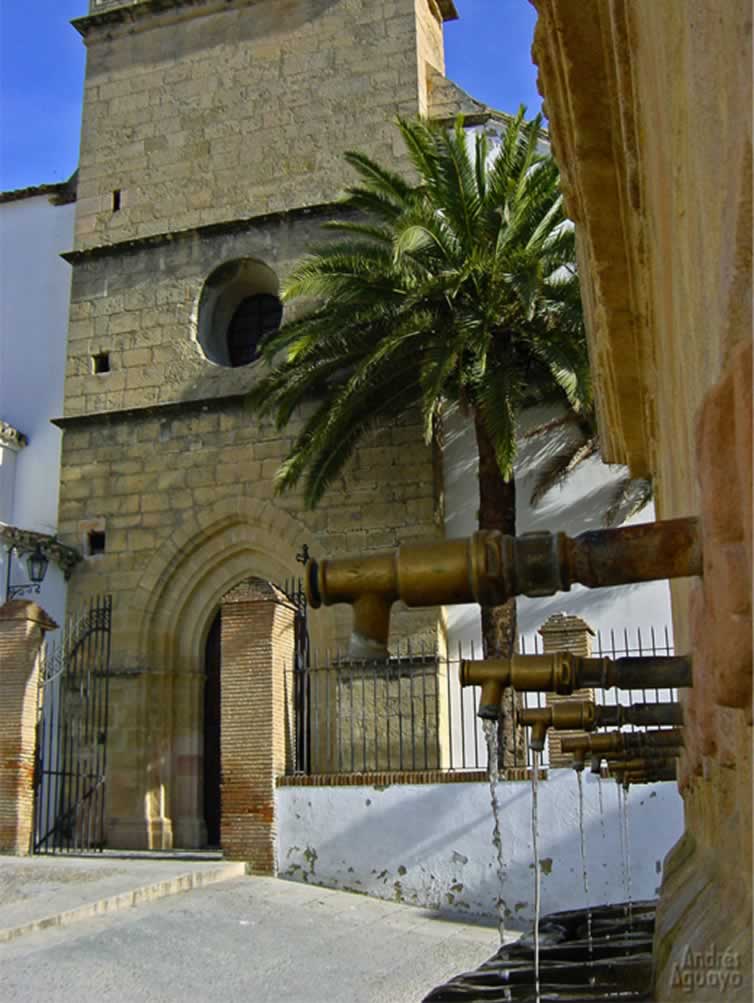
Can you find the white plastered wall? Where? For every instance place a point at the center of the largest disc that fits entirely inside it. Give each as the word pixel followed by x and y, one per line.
pixel 34 298
pixel 431 845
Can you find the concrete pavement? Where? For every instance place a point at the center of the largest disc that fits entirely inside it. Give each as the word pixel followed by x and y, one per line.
pixel 39 892
pixel 253 939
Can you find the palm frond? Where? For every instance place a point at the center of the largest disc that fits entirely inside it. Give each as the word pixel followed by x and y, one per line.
pixel 557 468
pixel 458 288
pixel 629 497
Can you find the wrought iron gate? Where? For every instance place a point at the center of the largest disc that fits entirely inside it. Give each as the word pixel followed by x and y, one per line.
pixel 72 734
pixel 295 592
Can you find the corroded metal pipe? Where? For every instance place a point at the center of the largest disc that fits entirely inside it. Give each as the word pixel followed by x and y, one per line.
pixel 572 715
pixel 618 758
pixel 490 568
pixel 563 673
pixel 634 779
pixel 616 744
pixel 646 714
pixel 622 741
pixel 645 763
pixel 644 771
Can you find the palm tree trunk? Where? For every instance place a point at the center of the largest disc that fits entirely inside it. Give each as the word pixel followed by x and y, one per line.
pixel 497 510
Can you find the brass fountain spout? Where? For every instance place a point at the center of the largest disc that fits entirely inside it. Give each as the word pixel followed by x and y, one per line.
pixel 563 673
pixel 644 771
pixel 566 715
pixel 571 715
pixel 490 568
pixel 615 746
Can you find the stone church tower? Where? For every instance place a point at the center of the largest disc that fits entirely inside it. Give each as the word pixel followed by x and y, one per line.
pixel 211 150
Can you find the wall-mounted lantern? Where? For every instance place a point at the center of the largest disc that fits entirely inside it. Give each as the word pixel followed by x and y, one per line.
pixel 36 565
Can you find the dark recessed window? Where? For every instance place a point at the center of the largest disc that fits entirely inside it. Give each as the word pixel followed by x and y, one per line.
pixel 101 363
pixel 255 317
pixel 116 200
pixel 96 542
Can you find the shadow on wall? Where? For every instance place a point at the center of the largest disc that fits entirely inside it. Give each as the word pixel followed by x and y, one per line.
pixel 576 506
pixel 432 846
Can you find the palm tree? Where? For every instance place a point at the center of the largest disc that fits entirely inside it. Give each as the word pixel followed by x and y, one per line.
pixel 457 288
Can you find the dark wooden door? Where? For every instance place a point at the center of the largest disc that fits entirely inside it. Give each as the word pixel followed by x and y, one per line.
pixel 212 734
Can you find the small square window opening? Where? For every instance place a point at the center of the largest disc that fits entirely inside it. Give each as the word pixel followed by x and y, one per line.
pixel 95 542
pixel 101 363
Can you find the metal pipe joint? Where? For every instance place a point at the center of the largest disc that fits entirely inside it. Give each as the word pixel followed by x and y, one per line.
pixel 489 568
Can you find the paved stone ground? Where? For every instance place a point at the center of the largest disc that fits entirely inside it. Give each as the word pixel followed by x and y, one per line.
pixel 41 891
pixel 258 939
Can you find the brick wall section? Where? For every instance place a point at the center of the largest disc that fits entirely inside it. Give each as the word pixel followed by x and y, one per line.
pixel 387 778
pixel 257 645
pixel 565 633
pixel 22 629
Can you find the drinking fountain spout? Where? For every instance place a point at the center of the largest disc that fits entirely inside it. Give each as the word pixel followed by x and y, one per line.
pixel 563 673
pixel 614 756
pixel 644 771
pixel 621 742
pixel 565 715
pixel 585 715
pixel 490 568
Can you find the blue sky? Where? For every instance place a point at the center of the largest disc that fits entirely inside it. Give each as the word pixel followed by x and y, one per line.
pixel 42 72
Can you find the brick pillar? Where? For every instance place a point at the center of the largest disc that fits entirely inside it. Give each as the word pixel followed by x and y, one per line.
pixel 22 628
pixel 256 653
pixel 562 632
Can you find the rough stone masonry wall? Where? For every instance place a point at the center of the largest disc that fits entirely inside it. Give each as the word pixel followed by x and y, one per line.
pixel 144 476
pixel 206 126
pixel 140 305
pixel 191 488
pixel 146 471
pixel 203 112
pixel 22 628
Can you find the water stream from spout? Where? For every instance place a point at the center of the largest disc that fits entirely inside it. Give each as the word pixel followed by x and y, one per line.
pixel 537 876
pixel 621 835
pixel 582 842
pixel 627 850
pixel 602 806
pixel 490 729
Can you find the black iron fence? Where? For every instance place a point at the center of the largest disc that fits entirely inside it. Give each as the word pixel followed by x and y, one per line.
pixel 409 712
pixel 72 728
pixel 359 715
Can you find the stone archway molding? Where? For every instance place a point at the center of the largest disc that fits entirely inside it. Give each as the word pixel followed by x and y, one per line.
pixel 215 549
pixel 170 614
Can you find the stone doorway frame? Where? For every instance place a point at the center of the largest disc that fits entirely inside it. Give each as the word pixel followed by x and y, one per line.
pixel 169 619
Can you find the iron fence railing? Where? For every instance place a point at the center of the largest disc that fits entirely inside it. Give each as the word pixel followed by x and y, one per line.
pixel 409 712
pixel 72 725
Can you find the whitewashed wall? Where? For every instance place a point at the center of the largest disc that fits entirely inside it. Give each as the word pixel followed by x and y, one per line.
pixel 431 845
pixel 34 299
pixel 574 508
